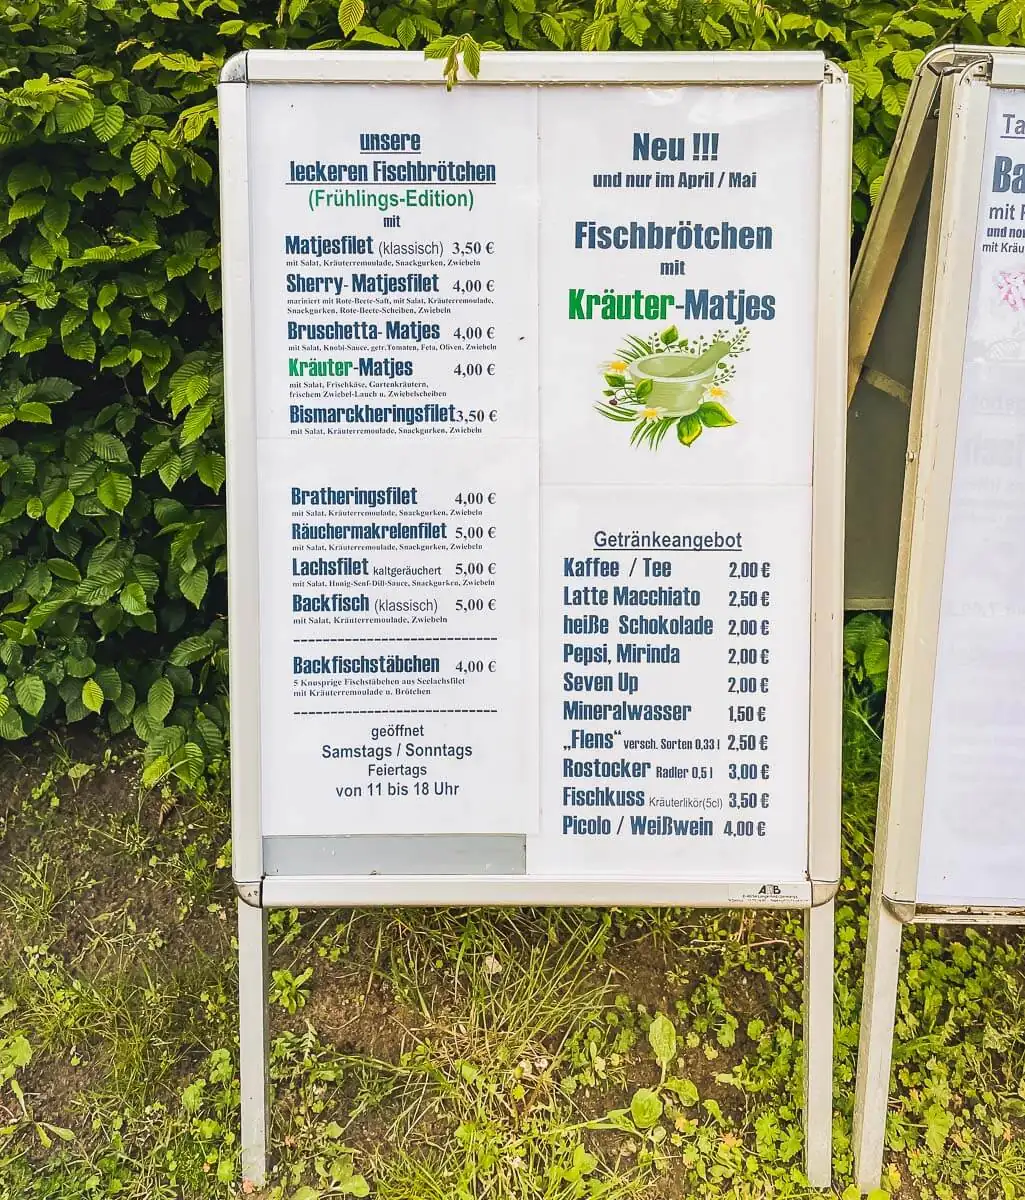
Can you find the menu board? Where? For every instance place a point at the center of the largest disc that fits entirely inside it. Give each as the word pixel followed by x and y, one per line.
pixel 972 853
pixel 535 384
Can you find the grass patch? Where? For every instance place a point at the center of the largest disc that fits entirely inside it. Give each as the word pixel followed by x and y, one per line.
pixel 535 1054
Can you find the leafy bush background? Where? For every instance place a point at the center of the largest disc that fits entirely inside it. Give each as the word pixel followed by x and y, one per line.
pixel 112 531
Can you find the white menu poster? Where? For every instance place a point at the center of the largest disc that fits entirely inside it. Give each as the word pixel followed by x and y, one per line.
pixel 678 281
pixel 535 385
pixel 396 330
pixel 972 850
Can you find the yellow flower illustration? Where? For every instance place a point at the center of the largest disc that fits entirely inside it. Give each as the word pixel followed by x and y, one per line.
pixel 716 393
pixel 652 414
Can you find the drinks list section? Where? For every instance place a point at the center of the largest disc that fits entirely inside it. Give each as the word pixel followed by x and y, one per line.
pixel 677 396
pixel 395 301
pixel 674 736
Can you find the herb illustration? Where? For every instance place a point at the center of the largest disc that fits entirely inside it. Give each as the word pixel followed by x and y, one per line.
pixel 668 381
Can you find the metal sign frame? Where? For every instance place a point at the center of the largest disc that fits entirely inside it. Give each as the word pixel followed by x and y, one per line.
pixel 878 393
pixel 962 89
pixel 259 890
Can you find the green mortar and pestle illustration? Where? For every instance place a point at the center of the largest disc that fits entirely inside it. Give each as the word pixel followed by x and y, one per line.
pixel 671 384
pixel 678 381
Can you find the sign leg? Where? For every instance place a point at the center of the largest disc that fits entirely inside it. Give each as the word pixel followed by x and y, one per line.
pixel 818 1044
pixel 875 1047
pixel 253 1047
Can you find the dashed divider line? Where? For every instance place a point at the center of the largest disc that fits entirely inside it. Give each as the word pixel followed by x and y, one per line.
pixel 412 639
pixel 352 712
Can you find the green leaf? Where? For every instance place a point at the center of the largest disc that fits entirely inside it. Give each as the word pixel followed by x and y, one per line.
pixel 190 650
pixel 374 37
pixel 194 584
pixel 905 62
pixel 865 78
pixel 160 699
pixel 30 692
pixel 1009 17
pixel 553 30
pixel 921 29
pixel 25 176
pixel 110 681
pixel 471 56
pixel 877 660
pixel 644 389
pixel 685 1091
pixel 350 14
pixel 12 572
pixel 145 158
pixel 109 448
pixel 73 115
pixel 645 1108
pixel 188 762
pixel 64 569
pixel 305 1193
pixel 133 600
pixel 92 695
pixel 80 345
pixel 155 771
pixel 662 1037
pixel 26 206
pixel 115 491
pixel 712 415
pixel 196 423
pixel 11 726
pixel 16 322
pixel 170 471
pixel 211 471
pixel 938 1124
pixel 406 32
pixel 108 122
pixel 894 98
pixel 56 214
pixel 688 429
pixel 634 24
pixel 34 413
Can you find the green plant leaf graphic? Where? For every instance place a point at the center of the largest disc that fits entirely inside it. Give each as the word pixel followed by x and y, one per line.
pixel 714 416
pixel 689 428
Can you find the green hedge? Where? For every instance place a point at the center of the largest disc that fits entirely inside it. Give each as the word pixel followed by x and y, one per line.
pixel 112 531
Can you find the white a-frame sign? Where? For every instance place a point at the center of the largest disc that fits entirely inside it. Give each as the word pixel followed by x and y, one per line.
pixel 949 846
pixel 535 416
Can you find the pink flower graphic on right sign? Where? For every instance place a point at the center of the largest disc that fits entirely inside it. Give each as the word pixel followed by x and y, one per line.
pixel 1011 286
